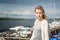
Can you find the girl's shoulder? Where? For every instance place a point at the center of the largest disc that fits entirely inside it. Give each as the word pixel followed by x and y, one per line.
pixel 45 21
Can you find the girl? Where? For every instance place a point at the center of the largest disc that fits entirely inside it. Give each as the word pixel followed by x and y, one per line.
pixel 40 28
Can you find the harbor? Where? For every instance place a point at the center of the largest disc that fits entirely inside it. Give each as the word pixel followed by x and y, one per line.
pixel 17 18
pixel 24 33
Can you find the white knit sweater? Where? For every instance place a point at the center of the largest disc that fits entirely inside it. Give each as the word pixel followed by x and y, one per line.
pixel 40 30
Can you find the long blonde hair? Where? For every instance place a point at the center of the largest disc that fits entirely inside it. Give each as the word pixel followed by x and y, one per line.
pixel 43 12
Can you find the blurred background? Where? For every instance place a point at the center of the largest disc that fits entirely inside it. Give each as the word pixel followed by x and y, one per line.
pixel 19 13
pixel 13 12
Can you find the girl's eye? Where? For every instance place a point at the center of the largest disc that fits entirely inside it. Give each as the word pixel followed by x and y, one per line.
pixel 38 12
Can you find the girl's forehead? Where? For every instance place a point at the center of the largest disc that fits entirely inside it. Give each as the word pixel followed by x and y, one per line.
pixel 38 10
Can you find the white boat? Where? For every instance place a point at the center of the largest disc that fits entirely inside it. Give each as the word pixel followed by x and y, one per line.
pixel 21 31
pixel 16 28
pixel 25 32
pixel 54 24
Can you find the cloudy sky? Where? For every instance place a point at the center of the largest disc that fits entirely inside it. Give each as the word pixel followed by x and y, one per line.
pixel 25 8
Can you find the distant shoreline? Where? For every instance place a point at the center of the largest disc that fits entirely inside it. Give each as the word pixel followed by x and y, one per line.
pixel 23 19
pixel 13 19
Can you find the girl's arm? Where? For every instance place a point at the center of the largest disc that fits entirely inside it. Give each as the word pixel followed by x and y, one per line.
pixel 45 30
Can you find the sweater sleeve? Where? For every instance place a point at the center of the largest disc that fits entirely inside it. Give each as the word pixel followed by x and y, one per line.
pixel 45 35
pixel 32 37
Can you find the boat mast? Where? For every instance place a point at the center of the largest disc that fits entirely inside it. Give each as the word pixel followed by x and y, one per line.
pixel 54 11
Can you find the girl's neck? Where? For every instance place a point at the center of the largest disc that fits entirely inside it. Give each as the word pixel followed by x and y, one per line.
pixel 40 19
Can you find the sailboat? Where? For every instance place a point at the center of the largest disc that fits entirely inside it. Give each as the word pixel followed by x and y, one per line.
pixel 54 24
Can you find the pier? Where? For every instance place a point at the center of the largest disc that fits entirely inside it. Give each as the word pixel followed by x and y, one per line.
pixel 13 38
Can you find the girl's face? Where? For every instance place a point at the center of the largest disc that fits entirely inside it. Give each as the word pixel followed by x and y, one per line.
pixel 38 13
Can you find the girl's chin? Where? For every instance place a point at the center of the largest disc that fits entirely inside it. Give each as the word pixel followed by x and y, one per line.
pixel 39 17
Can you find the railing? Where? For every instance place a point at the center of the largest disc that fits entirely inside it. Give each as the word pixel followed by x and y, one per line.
pixel 13 38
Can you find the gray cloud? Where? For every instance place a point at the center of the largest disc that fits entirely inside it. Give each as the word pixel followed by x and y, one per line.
pixel 27 2
pixel 25 8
